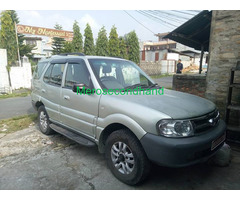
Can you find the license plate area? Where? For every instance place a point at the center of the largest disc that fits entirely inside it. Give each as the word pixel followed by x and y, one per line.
pixel 218 141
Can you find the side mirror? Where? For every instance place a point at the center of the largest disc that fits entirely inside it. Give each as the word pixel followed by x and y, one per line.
pixel 82 89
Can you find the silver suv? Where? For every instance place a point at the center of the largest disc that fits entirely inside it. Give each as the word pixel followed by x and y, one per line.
pixel 112 103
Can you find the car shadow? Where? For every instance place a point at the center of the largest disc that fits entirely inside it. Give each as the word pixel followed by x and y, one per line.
pixel 160 178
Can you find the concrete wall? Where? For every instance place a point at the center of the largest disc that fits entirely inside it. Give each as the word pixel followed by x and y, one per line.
pixel 21 76
pixel 193 84
pixel 224 53
pixel 4 81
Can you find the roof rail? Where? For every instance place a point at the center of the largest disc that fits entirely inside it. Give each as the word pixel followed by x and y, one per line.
pixel 73 54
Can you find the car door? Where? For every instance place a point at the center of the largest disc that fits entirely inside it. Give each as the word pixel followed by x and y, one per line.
pixel 51 89
pixel 78 111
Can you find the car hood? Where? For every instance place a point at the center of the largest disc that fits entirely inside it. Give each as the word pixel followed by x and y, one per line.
pixel 177 105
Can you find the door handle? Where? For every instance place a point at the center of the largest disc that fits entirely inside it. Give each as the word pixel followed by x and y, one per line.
pixel 43 91
pixel 66 97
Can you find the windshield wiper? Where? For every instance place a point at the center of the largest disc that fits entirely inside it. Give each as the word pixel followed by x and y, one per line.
pixel 136 85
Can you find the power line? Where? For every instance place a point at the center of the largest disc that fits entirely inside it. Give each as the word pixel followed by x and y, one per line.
pixel 171 14
pixel 138 22
pixel 156 19
pixel 163 15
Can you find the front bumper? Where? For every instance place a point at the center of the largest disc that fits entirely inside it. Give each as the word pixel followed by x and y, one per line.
pixel 180 152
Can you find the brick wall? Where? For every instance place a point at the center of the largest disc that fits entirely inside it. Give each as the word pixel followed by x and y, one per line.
pixel 193 84
pixel 224 53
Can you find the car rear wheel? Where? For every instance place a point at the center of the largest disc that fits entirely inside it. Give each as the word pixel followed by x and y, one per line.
pixel 126 157
pixel 43 121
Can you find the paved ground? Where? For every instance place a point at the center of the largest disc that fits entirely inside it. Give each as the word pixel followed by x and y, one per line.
pixel 16 106
pixel 30 160
pixel 165 81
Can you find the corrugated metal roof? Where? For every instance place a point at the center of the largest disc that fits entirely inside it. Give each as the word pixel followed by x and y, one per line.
pixel 194 32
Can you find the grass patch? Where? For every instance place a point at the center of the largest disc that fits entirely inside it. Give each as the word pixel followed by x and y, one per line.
pixel 17 123
pixel 169 88
pixel 22 94
pixel 160 76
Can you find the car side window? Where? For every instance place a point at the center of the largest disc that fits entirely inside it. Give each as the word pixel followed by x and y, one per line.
pixel 56 75
pixel 77 73
pixel 47 74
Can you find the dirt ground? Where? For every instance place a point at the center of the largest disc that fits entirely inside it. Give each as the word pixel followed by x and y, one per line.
pixel 31 160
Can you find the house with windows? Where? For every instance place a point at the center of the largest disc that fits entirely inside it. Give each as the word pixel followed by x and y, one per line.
pixel 166 49
pixel 42 46
pixel 165 53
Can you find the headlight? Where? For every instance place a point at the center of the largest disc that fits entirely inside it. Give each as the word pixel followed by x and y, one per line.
pixel 175 128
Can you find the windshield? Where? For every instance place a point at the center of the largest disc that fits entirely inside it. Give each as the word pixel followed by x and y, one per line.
pixel 119 74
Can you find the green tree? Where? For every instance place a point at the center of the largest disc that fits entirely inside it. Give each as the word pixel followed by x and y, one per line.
pixel 77 43
pixel 123 48
pixel 8 36
pixel 24 49
pixel 133 47
pixel 88 42
pixel 113 43
pixel 102 43
pixel 14 16
pixel 58 43
pixel 67 48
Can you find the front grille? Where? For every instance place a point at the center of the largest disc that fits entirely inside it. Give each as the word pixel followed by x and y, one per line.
pixel 205 122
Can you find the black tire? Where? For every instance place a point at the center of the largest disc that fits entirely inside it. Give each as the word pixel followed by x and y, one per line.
pixel 45 129
pixel 134 173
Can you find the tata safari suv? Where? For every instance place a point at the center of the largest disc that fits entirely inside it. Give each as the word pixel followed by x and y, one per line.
pixel 170 128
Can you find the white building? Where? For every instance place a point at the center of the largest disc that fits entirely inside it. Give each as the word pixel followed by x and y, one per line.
pixel 166 49
pixel 42 46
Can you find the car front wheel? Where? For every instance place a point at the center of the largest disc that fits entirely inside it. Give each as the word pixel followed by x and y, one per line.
pixel 126 157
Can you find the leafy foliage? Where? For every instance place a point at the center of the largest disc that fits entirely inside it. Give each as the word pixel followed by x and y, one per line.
pixel 102 43
pixel 14 16
pixel 24 49
pixel 114 43
pixel 67 48
pixel 123 48
pixel 58 43
pixel 133 47
pixel 77 43
pixel 8 36
pixel 88 42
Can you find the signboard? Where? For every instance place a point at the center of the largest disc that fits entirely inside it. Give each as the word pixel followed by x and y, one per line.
pixel 32 30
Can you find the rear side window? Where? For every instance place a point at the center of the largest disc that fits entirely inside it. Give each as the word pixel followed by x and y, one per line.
pixel 39 69
pixel 47 74
pixel 54 73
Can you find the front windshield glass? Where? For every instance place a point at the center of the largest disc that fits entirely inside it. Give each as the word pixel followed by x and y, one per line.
pixel 119 74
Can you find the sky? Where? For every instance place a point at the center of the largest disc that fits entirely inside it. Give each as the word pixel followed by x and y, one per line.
pixel 96 18
pixel 98 13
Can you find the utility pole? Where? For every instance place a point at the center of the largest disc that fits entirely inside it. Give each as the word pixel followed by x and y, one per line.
pixel 19 59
